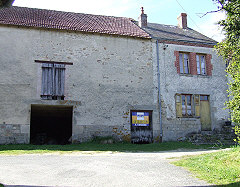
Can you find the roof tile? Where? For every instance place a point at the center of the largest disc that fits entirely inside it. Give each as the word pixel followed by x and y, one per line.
pixel 42 18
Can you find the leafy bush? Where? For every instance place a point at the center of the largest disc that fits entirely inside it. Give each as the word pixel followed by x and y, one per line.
pixel 237 132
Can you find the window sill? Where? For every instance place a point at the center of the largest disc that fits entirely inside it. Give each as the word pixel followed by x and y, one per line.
pixel 203 76
pixel 198 75
pixel 186 75
pixel 189 117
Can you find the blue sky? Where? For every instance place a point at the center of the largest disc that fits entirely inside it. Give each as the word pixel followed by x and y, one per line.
pixel 158 11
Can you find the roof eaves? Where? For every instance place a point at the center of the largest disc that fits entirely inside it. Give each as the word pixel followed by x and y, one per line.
pixel 186 41
pixel 74 30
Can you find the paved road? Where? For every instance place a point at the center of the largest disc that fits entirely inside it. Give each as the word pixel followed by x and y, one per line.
pixel 100 170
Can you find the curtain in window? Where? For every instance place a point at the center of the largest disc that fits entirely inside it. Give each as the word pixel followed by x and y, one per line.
pixel 203 65
pixel 181 62
pixel 186 63
pixel 198 65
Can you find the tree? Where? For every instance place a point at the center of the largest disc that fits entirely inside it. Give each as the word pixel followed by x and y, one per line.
pixel 229 49
pixel 6 3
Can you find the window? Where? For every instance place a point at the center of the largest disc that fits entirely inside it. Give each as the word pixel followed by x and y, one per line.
pixel 53 80
pixel 53 76
pixel 184 63
pixel 188 105
pixel 184 105
pixel 192 63
pixel 204 98
pixel 201 64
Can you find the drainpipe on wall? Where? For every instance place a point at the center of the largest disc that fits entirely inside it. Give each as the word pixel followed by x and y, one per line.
pixel 159 92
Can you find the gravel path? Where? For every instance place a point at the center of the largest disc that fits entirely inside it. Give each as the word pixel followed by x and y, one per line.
pixel 99 169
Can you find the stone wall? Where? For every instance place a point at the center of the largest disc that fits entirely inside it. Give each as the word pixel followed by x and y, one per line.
pixel 110 76
pixel 172 82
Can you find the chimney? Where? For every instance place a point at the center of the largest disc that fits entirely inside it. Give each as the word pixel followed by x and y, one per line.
pixel 182 21
pixel 142 19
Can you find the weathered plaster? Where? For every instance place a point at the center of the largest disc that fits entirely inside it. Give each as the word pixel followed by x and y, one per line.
pixel 171 83
pixel 109 76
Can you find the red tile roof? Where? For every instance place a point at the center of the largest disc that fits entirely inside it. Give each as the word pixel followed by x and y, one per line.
pixel 52 19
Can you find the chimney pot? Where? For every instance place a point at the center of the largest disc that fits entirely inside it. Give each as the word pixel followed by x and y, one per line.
pixel 182 21
pixel 142 19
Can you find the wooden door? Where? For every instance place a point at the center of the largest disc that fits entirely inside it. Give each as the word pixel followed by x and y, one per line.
pixel 205 115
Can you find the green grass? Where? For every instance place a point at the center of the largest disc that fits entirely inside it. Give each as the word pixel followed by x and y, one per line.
pixel 221 167
pixel 97 147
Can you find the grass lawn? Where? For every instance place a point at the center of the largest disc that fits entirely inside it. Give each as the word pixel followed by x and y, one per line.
pixel 221 168
pixel 97 147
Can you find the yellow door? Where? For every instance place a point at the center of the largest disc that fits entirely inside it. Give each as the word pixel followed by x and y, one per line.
pixel 205 116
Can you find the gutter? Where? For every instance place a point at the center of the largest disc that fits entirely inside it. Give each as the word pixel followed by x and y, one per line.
pixel 159 92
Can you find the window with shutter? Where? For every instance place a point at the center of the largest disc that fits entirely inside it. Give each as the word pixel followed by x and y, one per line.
pixel 188 105
pixel 192 63
pixel 53 79
pixel 47 81
pixel 178 98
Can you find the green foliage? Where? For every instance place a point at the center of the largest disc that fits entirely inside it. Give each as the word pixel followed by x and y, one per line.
pixel 229 49
pixel 6 3
pixel 219 168
pixel 237 132
pixel 1 185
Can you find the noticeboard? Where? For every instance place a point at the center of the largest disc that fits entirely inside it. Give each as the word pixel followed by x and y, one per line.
pixel 140 119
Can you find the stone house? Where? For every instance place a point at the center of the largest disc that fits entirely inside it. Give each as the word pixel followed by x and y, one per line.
pixel 68 77
pixel 192 79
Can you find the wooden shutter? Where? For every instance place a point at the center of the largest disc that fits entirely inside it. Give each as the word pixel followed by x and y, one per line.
pixel 47 81
pixel 197 105
pixel 59 77
pixel 178 99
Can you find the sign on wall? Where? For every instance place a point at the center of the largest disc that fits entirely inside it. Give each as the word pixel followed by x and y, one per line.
pixel 140 119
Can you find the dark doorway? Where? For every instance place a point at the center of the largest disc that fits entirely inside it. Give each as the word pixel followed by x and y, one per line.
pixel 141 126
pixel 51 124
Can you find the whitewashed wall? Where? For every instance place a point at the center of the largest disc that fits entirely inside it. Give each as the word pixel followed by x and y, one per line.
pixel 110 76
pixel 171 83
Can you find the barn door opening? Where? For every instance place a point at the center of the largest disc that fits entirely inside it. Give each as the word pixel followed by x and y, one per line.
pixel 141 127
pixel 50 124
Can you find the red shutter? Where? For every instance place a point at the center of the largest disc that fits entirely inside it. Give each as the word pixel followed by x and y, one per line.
pixel 209 66
pixel 193 63
pixel 176 53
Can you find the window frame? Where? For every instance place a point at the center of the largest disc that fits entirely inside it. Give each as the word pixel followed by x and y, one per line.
pixel 57 79
pixel 199 64
pixel 182 63
pixel 185 114
pixel 195 104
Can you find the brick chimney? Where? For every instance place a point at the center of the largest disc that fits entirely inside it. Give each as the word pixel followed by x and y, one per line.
pixel 182 21
pixel 142 19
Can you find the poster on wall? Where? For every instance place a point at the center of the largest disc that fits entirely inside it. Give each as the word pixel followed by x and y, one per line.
pixel 140 119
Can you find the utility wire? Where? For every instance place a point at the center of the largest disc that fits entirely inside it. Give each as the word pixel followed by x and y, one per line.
pixel 188 15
